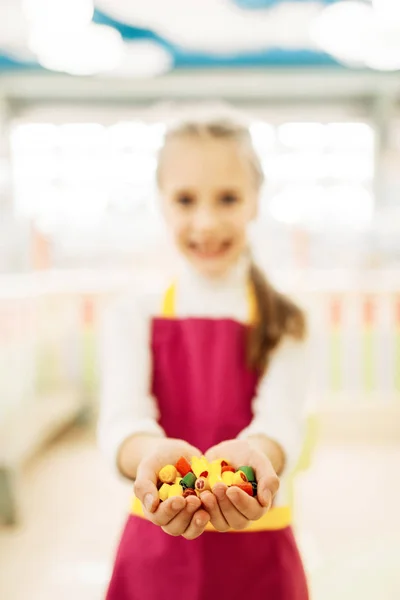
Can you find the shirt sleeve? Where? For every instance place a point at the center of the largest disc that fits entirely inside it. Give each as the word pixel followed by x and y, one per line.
pixel 126 405
pixel 279 408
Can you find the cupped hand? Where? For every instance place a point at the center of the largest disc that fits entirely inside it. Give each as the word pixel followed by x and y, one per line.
pixel 177 516
pixel 232 508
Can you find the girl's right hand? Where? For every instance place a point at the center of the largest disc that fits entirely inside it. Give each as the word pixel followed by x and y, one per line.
pixel 176 516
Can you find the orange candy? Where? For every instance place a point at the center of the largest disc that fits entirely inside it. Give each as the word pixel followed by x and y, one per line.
pixel 226 468
pixel 246 487
pixel 183 466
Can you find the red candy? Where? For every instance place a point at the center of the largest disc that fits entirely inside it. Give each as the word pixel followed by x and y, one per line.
pixel 189 492
pixel 227 468
pixel 204 474
pixel 183 466
pixel 246 487
pixel 224 463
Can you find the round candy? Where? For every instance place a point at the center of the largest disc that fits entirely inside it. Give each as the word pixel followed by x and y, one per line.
pixel 249 472
pixel 168 474
pixel 202 484
pixel 239 477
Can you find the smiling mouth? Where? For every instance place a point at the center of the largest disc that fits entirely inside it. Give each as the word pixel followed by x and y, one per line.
pixel 208 251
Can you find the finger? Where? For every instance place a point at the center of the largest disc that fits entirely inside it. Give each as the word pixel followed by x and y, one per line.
pixel 166 511
pixel 267 480
pixel 249 507
pixel 179 524
pixel 233 517
pixel 217 519
pixel 197 525
pixel 266 489
pixel 146 491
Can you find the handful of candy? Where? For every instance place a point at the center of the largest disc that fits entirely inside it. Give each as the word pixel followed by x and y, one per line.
pixel 191 479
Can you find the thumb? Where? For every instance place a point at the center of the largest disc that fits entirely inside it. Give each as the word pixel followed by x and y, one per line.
pixel 267 487
pixel 145 489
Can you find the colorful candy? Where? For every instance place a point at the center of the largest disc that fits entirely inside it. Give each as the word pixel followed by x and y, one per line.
pixel 168 474
pixel 249 472
pixel 183 466
pixel 189 492
pixel 239 477
pixel 191 479
pixel 188 481
pixel 226 468
pixel 202 484
pixel 199 465
pixel 163 492
pixel 227 478
pixel 246 487
pixel 175 490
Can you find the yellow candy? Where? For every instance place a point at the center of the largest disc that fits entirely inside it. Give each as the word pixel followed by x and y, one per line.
pixel 199 465
pixel 167 474
pixel 238 478
pixel 227 477
pixel 178 479
pixel 175 490
pixel 215 473
pixel 163 492
pixel 219 461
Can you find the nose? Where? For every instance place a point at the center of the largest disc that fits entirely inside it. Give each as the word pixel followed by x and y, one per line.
pixel 205 220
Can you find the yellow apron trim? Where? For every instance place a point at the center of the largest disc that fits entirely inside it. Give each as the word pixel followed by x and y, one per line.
pixel 277 517
pixel 169 302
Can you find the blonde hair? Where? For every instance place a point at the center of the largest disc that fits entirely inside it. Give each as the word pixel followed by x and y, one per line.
pixel 220 128
pixel 277 315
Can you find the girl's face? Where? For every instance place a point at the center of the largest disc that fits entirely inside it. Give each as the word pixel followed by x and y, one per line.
pixel 209 197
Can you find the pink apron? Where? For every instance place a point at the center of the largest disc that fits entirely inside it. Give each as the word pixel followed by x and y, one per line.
pixel 204 393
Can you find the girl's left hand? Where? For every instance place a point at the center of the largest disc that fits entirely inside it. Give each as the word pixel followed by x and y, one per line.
pixel 232 508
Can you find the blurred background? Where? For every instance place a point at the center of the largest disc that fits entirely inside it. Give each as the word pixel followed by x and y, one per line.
pixel 85 92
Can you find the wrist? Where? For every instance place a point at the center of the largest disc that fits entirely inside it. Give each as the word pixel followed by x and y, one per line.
pixel 132 451
pixel 272 450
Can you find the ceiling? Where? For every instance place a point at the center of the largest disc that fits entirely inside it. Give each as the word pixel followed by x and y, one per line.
pixel 212 34
pixel 144 38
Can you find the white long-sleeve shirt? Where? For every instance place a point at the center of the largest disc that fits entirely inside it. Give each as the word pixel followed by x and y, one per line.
pixel 126 404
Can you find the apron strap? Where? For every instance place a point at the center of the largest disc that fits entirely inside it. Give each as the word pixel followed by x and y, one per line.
pixel 168 308
pixel 169 302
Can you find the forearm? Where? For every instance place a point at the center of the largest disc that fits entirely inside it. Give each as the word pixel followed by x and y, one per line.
pixel 133 450
pixel 274 452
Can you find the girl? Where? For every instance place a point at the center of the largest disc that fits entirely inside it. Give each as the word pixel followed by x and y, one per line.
pixel 215 366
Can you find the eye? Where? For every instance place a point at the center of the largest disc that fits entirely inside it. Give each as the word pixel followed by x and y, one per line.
pixel 229 198
pixel 185 199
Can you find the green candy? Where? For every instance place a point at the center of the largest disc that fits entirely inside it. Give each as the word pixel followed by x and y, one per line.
pixel 188 481
pixel 249 472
